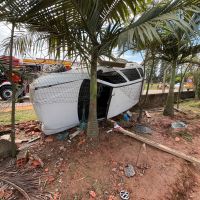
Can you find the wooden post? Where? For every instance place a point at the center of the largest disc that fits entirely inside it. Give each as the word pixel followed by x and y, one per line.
pixel 157 145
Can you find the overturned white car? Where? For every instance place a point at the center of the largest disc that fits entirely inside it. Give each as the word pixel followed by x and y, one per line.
pixel 61 100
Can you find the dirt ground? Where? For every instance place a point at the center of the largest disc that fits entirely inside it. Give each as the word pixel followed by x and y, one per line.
pixel 86 169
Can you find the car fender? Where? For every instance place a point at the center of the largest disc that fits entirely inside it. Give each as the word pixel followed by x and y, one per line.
pixel 5 83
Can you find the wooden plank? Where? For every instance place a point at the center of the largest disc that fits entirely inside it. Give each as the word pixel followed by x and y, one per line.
pixel 157 145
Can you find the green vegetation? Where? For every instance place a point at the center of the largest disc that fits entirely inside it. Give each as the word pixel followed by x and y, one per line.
pixel 191 105
pixel 21 116
pixel 153 86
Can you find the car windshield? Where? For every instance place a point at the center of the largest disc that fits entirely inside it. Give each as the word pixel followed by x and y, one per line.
pixel 110 77
pixel 131 74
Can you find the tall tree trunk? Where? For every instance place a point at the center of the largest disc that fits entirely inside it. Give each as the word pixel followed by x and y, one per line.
pixel 181 86
pixel 164 79
pixel 150 78
pixel 13 93
pixel 169 107
pixel 92 128
pixel 197 85
pixel 141 90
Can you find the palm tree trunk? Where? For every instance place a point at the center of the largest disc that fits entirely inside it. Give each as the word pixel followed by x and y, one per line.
pixel 150 78
pixel 13 94
pixel 92 128
pixel 181 86
pixel 141 104
pixel 164 79
pixel 169 107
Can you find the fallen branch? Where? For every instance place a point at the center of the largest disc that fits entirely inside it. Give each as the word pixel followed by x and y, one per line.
pixel 16 187
pixel 156 145
pixel 178 110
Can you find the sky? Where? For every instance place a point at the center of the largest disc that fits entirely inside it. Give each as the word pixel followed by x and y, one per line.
pixel 5 32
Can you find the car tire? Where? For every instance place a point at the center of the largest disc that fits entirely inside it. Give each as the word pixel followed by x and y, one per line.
pixel 6 92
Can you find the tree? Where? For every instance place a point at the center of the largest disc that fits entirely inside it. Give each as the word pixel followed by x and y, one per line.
pixel 176 49
pixel 91 28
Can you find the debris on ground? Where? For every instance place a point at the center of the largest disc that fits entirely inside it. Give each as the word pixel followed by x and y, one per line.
pixel 62 136
pixel 147 114
pixel 109 131
pixel 185 135
pixel 23 184
pixel 142 159
pixel 111 197
pixel 177 139
pixel 62 148
pixel 124 195
pixel 49 139
pixel 126 118
pixel 5 137
pixel 129 170
pixel 74 172
pixel 178 124
pixel 71 136
pixel 34 139
pixel 81 142
pixel 92 194
pixel 178 110
pixel 159 146
pixel 22 158
pixel 35 161
pixel 139 128
pixel 5 148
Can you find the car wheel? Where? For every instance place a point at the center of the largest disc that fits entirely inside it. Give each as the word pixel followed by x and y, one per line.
pixel 6 92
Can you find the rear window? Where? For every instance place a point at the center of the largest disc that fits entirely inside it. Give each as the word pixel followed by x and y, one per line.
pixel 131 74
pixel 110 77
pixel 141 72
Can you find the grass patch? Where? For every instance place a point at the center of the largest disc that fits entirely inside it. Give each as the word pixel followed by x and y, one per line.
pixel 191 105
pixel 153 86
pixel 21 116
pixel 186 136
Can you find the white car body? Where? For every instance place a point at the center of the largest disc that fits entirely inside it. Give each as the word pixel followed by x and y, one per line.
pixel 61 100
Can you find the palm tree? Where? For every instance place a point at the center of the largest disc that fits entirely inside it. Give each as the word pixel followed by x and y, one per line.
pixel 91 28
pixel 175 51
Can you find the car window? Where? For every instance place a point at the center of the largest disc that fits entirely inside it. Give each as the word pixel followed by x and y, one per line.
pixel 131 74
pixel 141 72
pixel 110 77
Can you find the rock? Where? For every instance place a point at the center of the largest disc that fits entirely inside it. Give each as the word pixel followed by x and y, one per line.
pixel 22 158
pixel 35 161
pixel 178 124
pixel 92 194
pixel 121 168
pixel 5 137
pixel 129 170
pixel 62 148
pixel 139 128
pixel 46 169
pixel 114 169
pixel 177 139
pixel 5 148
